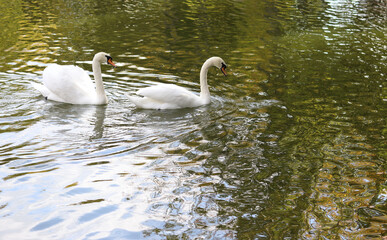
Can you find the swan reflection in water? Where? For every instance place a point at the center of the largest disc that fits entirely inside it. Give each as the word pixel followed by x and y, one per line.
pixel 74 122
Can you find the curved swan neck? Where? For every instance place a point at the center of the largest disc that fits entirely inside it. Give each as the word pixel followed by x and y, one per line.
pixel 99 88
pixel 204 92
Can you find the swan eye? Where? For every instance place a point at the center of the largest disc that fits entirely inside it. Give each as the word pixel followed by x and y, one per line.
pixel 224 65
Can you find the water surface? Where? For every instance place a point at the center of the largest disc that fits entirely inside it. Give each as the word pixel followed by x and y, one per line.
pixel 293 145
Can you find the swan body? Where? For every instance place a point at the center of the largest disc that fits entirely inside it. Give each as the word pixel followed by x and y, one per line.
pixel 170 96
pixel 72 84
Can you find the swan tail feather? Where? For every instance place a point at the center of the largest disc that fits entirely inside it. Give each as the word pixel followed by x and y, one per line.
pixel 41 88
pixel 148 103
pixel 46 93
pixel 138 101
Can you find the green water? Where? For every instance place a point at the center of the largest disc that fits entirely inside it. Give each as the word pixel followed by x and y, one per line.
pixel 292 146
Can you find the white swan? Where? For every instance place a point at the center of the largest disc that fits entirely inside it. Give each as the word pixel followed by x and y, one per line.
pixel 72 84
pixel 170 96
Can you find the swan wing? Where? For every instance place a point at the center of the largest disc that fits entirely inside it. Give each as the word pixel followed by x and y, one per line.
pixel 171 95
pixel 70 83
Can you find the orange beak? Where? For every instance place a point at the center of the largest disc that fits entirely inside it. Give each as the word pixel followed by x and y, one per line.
pixel 223 69
pixel 111 62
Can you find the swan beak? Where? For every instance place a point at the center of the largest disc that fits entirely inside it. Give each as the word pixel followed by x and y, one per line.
pixel 110 61
pixel 223 69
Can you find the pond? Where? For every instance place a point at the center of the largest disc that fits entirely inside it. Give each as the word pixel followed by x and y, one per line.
pixel 292 146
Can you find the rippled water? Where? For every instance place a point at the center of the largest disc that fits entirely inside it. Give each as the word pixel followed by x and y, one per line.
pixel 293 145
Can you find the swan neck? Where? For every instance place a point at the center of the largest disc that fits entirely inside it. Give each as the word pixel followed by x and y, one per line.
pixel 99 88
pixel 204 92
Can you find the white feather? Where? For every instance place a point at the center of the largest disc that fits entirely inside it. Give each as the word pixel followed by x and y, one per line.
pixel 72 84
pixel 170 96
